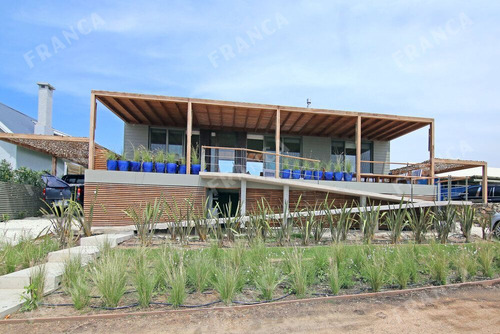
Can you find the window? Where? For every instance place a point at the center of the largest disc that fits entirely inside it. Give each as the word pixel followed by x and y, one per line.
pixel 176 142
pixel 348 149
pixel 167 140
pixel 291 146
pixel 158 139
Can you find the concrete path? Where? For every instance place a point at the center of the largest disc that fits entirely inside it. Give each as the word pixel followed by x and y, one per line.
pixel 14 230
pixel 12 285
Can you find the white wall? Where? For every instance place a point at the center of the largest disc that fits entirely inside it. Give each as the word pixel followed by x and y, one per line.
pixel 8 152
pixel 33 159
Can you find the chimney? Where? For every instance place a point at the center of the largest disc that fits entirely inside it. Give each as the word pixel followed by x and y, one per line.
pixel 44 124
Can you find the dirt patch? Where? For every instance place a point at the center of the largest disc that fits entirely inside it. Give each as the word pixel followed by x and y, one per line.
pixel 467 309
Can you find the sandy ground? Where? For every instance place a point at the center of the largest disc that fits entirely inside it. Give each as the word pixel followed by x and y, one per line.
pixel 464 310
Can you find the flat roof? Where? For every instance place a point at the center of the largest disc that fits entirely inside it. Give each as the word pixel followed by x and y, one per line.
pixel 168 111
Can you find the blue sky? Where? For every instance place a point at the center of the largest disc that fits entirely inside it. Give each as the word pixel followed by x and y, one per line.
pixel 420 58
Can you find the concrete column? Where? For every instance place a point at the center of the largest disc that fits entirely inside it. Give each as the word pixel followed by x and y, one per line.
pixel 243 197
pixel 362 201
pixel 286 202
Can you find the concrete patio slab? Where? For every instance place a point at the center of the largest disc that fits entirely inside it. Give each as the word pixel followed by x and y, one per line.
pixel 86 253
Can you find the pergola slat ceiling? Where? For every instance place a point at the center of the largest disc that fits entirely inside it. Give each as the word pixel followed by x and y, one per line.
pixel 234 116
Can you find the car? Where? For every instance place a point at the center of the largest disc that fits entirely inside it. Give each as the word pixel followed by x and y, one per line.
pixel 55 191
pixel 475 193
pixel 495 225
pixel 76 183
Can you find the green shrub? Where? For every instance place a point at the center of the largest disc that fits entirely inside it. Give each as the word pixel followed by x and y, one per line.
pixel 35 290
pixel 72 271
pixel 438 264
pixel 485 258
pixel 227 281
pixel 80 292
pixel 374 271
pixel 143 277
pixel 300 274
pixel 199 270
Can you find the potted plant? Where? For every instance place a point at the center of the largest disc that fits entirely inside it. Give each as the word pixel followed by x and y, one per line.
pixel 348 170
pixel 317 173
pixel 285 172
pixel 296 169
pixel 328 170
pixel 135 164
pixel 171 163
pixel 182 166
pixel 160 161
pixel 111 160
pixel 195 161
pixel 123 163
pixel 147 161
pixel 306 168
pixel 337 168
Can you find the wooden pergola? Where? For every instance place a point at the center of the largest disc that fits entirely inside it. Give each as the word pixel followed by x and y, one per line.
pixel 156 110
pixel 442 166
pixel 75 149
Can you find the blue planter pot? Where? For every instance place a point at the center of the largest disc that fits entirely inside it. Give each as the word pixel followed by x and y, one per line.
pixel 147 167
pixel 171 167
pixel 182 169
pixel 123 166
pixel 329 176
pixel 195 169
pixel 285 174
pixel 296 174
pixel 160 167
pixel 347 176
pixel 338 176
pixel 135 166
pixel 111 164
pixel 318 174
pixel 307 175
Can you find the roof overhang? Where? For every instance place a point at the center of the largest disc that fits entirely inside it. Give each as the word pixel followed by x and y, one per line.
pixel 75 149
pixel 167 111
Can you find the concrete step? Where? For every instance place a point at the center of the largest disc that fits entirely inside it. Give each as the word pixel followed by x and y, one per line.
pixel 20 279
pixel 86 253
pixel 10 301
pixel 113 239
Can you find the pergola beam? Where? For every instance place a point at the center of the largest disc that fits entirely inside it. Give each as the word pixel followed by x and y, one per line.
pixel 93 110
pixel 277 142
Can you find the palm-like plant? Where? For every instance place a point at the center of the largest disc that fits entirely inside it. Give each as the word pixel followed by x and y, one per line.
pixel 467 216
pixel 396 220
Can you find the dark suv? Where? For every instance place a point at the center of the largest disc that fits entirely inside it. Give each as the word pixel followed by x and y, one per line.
pixel 55 190
pixel 76 182
pixel 476 193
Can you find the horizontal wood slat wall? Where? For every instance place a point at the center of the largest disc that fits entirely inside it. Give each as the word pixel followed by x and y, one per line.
pixel 118 197
pixel 275 198
pixel 100 159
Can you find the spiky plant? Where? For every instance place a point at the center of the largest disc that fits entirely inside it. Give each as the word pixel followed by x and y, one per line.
pixel 369 220
pixel 145 219
pixel 396 220
pixel 443 224
pixel 72 270
pixel 467 216
pixel 80 292
pixel 438 264
pixel 420 221
pixel 226 280
pixel 485 258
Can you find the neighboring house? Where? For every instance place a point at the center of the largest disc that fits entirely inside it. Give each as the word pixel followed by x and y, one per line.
pixel 13 121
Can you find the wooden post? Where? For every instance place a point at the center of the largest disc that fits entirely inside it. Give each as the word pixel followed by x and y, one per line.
pixel 189 135
pixel 431 153
pixel 54 166
pixel 277 142
pixel 93 109
pixel 485 183
pixel 358 149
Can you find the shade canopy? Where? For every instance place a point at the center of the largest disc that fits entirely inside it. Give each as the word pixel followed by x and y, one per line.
pixel 169 111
